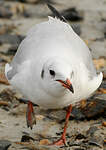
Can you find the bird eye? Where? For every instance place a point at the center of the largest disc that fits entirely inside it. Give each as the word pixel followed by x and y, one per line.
pixel 42 74
pixel 52 72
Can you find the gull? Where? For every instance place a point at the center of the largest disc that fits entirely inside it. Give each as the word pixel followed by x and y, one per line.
pixel 53 68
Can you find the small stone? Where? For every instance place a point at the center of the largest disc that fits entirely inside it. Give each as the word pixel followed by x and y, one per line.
pixel 3 79
pixel 83 103
pixel 3 103
pixel 102 90
pixel 4 144
pixel 6 28
pixel 99 63
pixel 80 136
pixel 90 108
pixel 104 74
pixel 92 130
pixel 39 117
pixel 7 95
pixel 11 50
pixel 71 14
pixel 11 39
pixel 2 60
pixel 26 138
pixel 5 12
pixel 103 84
pixel 104 123
pixel 44 142
pixel 18 8
pixel 94 107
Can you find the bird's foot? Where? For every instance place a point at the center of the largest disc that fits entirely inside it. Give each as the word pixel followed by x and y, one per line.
pixel 60 142
pixel 30 115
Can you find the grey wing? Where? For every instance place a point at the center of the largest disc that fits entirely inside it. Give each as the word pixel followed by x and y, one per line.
pixel 20 57
pixel 10 71
pixel 21 54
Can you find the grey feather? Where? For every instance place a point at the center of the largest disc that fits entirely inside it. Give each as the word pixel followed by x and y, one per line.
pixel 11 73
pixel 56 13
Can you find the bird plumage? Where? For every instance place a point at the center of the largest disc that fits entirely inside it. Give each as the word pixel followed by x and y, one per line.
pixel 56 42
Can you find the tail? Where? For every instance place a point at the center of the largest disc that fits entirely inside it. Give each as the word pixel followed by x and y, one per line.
pixel 56 13
pixel 7 69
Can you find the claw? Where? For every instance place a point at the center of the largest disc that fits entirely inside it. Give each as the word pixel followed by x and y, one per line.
pixel 62 140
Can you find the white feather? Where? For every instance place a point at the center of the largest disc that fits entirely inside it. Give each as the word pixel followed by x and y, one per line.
pixel 7 68
pixel 53 44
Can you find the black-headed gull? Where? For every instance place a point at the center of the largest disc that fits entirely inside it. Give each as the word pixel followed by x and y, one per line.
pixel 53 68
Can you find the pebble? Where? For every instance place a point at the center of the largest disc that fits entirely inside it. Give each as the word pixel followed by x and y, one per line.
pixel 11 39
pixel 2 60
pixel 104 75
pixel 6 28
pixel 31 146
pixel 5 12
pixel 104 123
pixel 103 85
pixel 92 130
pixel 71 14
pixel 11 50
pixel 90 108
pixel 26 138
pixel 94 138
pixel 8 96
pixel 4 144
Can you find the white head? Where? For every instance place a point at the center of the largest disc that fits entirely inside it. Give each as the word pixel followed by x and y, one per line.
pixel 56 77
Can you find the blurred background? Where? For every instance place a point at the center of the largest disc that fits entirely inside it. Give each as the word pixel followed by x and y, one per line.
pixel 88 19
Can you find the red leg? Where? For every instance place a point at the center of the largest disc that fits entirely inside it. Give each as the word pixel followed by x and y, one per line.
pixel 30 115
pixel 62 140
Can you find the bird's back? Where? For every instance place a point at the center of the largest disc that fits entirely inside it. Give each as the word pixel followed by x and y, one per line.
pixel 53 38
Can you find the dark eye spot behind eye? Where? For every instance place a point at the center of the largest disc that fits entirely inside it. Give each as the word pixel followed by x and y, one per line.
pixel 42 74
pixel 52 72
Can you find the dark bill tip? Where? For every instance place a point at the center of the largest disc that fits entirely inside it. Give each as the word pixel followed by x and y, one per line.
pixel 71 88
